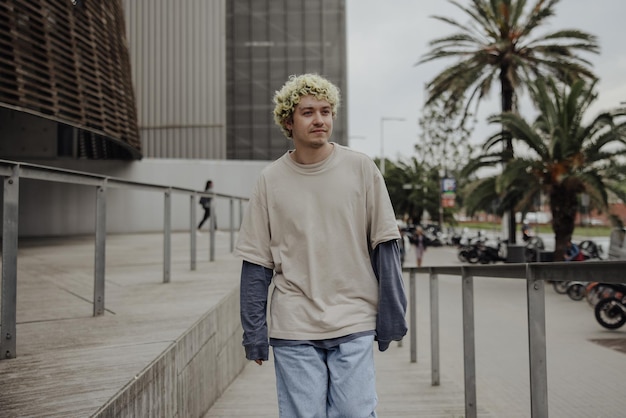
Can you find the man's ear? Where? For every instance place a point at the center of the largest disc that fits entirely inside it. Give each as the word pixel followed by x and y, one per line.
pixel 289 125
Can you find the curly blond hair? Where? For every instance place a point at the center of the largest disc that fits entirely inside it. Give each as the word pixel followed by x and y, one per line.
pixel 286 99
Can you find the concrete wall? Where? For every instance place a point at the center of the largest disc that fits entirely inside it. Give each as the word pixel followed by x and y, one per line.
pixel 178 60
pixel 55 209
pixel 187 379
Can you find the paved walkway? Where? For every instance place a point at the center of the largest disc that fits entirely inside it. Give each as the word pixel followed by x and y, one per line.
pixel 69 363
pixel 585 378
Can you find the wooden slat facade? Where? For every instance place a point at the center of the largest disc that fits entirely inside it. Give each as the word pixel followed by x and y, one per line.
pixel 68 61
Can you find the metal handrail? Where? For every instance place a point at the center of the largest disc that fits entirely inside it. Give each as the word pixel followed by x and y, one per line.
pixel 12 172
pixel 535 275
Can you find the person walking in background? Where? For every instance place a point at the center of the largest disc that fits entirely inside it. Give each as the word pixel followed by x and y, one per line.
pixel 420 242
pixel 205 202
pixel 410 254
pixel 320 225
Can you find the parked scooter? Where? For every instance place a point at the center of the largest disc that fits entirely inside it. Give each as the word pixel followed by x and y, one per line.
pixel 469 252
pixel 611 312
pixel 591 250
pixel 490 253
pixel 577 290
pixel 534 245
pixel 597 291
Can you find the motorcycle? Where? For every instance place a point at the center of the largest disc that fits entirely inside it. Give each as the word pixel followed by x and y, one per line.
pixel 534 245
pixel 470 252
pixel 491 254
pixel 591 250
pixel 597 291
pixel 577 290
pixel 611 312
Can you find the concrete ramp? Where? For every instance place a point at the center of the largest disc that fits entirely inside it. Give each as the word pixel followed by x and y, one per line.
pixel 161 350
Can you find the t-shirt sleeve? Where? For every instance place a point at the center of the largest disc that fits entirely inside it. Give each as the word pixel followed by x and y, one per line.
pixel 253 242
pixel 381 217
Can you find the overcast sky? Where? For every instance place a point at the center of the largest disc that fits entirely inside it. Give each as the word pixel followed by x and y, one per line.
pixel 386 39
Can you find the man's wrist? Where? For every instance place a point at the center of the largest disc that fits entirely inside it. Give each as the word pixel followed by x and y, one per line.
pixel 257 352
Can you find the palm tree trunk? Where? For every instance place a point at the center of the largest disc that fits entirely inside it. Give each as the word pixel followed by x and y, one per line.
pixel 507 152
pixel 564 205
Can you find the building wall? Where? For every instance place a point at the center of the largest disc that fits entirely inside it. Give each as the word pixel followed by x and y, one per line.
pixel 205 71
pixel 58 209
pixel 267 41
pixel 177 51
pixel 178 59
pixel 66 64
pixel 187 379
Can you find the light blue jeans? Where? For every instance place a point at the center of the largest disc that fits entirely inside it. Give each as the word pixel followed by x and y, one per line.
pixel 326 383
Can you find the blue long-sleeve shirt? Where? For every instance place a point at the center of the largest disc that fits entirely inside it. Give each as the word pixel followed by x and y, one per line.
pixel 390 321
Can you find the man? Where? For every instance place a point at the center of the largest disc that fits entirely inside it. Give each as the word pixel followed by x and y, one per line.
pixel 320 225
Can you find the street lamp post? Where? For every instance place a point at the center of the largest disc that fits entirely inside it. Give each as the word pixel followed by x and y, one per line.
pixel 382 140
pixel 442 175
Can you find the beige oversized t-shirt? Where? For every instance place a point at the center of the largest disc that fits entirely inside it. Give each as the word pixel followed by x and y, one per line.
pixel 315 225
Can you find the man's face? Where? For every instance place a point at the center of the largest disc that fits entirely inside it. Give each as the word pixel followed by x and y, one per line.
pixel 312 123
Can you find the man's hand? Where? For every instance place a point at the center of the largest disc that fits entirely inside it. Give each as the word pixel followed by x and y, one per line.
pixel 259 362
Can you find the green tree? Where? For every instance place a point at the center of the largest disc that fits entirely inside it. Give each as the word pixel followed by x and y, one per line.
pixel 563 156
pixel 413 189
pixel 443 148
pixel 442 145
pixel 500 45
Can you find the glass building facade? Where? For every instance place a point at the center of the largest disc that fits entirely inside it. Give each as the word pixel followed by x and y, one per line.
pixel 266 42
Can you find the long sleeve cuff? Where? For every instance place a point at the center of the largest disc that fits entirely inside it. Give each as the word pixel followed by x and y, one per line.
pixel 255 281
pixel 257 352
pixel 391 322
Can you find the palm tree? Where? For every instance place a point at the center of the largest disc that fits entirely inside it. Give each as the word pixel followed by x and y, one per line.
pixel 564 156
pixel 413 189
pixel 499 45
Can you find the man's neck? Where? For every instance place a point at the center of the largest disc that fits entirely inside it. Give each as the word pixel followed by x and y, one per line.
pixel 303 155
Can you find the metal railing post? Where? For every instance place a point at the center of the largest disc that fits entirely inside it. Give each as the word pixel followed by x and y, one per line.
pixel 212 224
pixel 167 235
pixel 537 344
pixel 232 224
pixel 413 315
pixel 12 171
pixel 469 355
pixel 10 213
pixel 100 251
pixel 240 212
pixel 192 231
pixel 434 329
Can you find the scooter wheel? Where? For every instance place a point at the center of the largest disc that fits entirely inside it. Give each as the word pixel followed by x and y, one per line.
pixel 560 287
pixel 610 314
pixel 576 291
